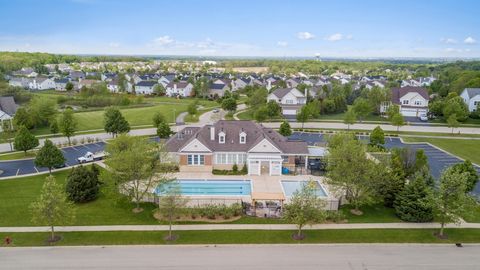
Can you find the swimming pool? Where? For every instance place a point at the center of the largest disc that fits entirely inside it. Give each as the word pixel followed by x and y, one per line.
pixel 290 186
pixel 194 187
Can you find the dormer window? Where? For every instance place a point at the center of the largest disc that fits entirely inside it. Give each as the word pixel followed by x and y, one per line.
pixel 221 137
pixel 243 137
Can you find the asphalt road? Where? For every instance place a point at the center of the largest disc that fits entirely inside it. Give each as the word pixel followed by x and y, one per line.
pixel 27 166
pixel 251 257
pixel 438 160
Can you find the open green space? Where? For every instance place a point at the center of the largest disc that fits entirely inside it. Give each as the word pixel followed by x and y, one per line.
pixel 248 237
pixel 17 155
pixel 459 147
pixel 376 213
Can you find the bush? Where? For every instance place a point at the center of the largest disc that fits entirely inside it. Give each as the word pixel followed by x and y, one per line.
pixel 82 184
pixel 335 216
pixel 228 172
pixel 235 168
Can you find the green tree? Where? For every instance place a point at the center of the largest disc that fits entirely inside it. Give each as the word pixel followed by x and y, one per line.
pixel 456 106
pixel 158 118
pixel 82 184
pixel 24 140
pixel 49 156
pixel 377 137
pixel 362 108
pixel 229 104
pixel 452 122
pixel 52 207
pixel 42 111
pixel 8 132
pixel 411 203
pixel 285 129
pixel 376 96
pixel 468 168
pixel 303 115
pixel 350 118
pixel 54 129
pixel 261 114
pixel 23 118
pixel 68 124
pixel 69 87
pixel 397 120
pixel 305 208
pixel 450 201
pixel 163 130
pixel 114 122
pixel 421 160
pixel 170 204
pixel 192 108
pixel 159 90
pixel 274 110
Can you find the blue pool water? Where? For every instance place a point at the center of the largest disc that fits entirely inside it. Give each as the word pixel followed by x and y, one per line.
pixel 209 187
pixel 289 187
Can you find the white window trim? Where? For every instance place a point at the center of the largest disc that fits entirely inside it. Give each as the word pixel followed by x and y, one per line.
pixel 196 160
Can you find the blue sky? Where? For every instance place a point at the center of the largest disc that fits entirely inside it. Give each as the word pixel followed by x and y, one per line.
pixel 369 28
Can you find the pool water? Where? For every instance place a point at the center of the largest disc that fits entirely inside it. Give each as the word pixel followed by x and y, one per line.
pixel 208 187
pixel 289 187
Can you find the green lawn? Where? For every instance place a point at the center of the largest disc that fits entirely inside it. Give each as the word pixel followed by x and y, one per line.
pixel 17 155
pixel 459 147
pixel 246 115
pixel 475 218
pixel 376 213
pixel 249 237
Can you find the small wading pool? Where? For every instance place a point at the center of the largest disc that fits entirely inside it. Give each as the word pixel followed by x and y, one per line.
pixel 290 186
pixel 193 187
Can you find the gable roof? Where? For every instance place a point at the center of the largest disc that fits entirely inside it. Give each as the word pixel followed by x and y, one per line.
pixel 255 133
pixel 397 93
pixel 471 92
pixel 281 92
pixel 180 85
pixel 8 105
pixel 146 83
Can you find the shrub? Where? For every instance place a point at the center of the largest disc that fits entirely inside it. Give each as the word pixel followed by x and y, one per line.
pixel 335 216
pixel 235 168
pixel 82 184
pixel 244 169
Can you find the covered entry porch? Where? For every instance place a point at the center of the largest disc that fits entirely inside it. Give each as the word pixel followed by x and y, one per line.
pixel 264 164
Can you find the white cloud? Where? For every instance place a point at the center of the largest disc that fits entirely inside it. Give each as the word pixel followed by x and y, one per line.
pixel 282 43
pixel 164 40
pixel 338 37
pixel 448 40
pixel 305 35
pixel 455 50
pixel 114 44
pixel 469 40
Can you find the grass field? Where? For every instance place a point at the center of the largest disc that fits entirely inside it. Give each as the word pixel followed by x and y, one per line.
pixel 249 237
pixel 376 213
pixel 462 148
pixel 17 155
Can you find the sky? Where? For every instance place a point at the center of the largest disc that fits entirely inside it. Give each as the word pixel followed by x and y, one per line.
pixel 297 28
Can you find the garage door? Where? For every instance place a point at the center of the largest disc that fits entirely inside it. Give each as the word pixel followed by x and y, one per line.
pixel 289 112
pixel 409 112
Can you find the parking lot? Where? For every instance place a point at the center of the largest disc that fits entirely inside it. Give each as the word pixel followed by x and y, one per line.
pixel 27 166
pixel 438 159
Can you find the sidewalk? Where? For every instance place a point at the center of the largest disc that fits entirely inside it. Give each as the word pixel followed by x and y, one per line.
pixel 209 227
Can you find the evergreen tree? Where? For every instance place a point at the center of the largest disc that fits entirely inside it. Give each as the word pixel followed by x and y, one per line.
pixel 24 140
pixel 163 130
pixel 285 129
pixel 49 156
pixel 114 122
pixel 377 137
pixel 82 184
pixel 411 204
pixel 158 118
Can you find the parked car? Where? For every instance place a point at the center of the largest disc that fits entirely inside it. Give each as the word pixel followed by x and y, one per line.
pixel 423 118
pixel 90 157
pixel 215 111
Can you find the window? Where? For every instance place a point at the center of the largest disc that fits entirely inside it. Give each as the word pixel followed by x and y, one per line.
pixel 418 102
pixel 475 103
pixel 221 137
pixel 285 159
pixel 405 102
pixel 289 101
pixel 243 137
pixel 229 158
pixel 195 160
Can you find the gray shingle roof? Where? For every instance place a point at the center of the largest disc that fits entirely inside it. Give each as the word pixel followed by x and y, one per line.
pixel 471 92
pixel 8 105
pixel 397 93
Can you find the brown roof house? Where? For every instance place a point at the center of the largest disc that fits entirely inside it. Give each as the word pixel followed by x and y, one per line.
pixel 413 101
pixel 245 143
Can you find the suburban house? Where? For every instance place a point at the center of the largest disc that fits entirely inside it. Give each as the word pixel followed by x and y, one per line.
pixel 145 87
pixel 290 99
pixel 113 85
pixel 19 82
pixel 8 108
pixel 182 88
pixel 86 83
pixel 76 75
pixel 413 101
pixel 217 89
pixel 166 79
pixel 219 146
pixel 41 83
pixel 28 72
pixel 241 83
pixel 471 96
pixel 61 84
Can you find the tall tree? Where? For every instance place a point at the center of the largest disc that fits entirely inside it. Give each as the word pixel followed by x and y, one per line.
pixel 397 120
pixel 24 140
pixel 362 108
pixel 450 201
pixel 114 122
pixel 170 204
pixel 163 130
pixel 377 137
pixel 285 129
pixel 82 184
pixel 472 175
pixel 229 104
pixel 305 208
pixel 68 124
pixel 158 118
pixel 159 90
pixel 135 168
pixel 303 115
pixel 411 203
pixel 52 207
pixel 192 108
pixel 49 156
pixel 452 122
pixel 350 118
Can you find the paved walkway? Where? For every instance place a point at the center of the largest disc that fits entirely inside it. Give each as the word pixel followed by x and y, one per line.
pixel 208 227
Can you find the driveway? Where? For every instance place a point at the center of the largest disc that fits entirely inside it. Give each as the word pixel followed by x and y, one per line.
pixel 438 159
pixel 27 166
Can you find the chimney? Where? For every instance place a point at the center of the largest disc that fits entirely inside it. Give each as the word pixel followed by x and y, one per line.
pixel 212 133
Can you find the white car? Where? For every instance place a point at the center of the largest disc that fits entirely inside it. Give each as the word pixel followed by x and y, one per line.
pixel 90 157
pixel 423 118
pixel 215 111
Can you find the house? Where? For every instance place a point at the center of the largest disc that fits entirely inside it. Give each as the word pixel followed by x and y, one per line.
pixel 471 96
pixel 87 83
pixel 113 85
pixel 28 72
pixel 41 83
pixel 19 82
pixel 413 101
pixel 221 145
pixel 166 79
pixel 61 84
pixel 76 75
pixel 241 83
pixel 8 108
pixel 182 88
pixel 293 82
pixel 290 99
pixel 145 87
pixel 218 89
